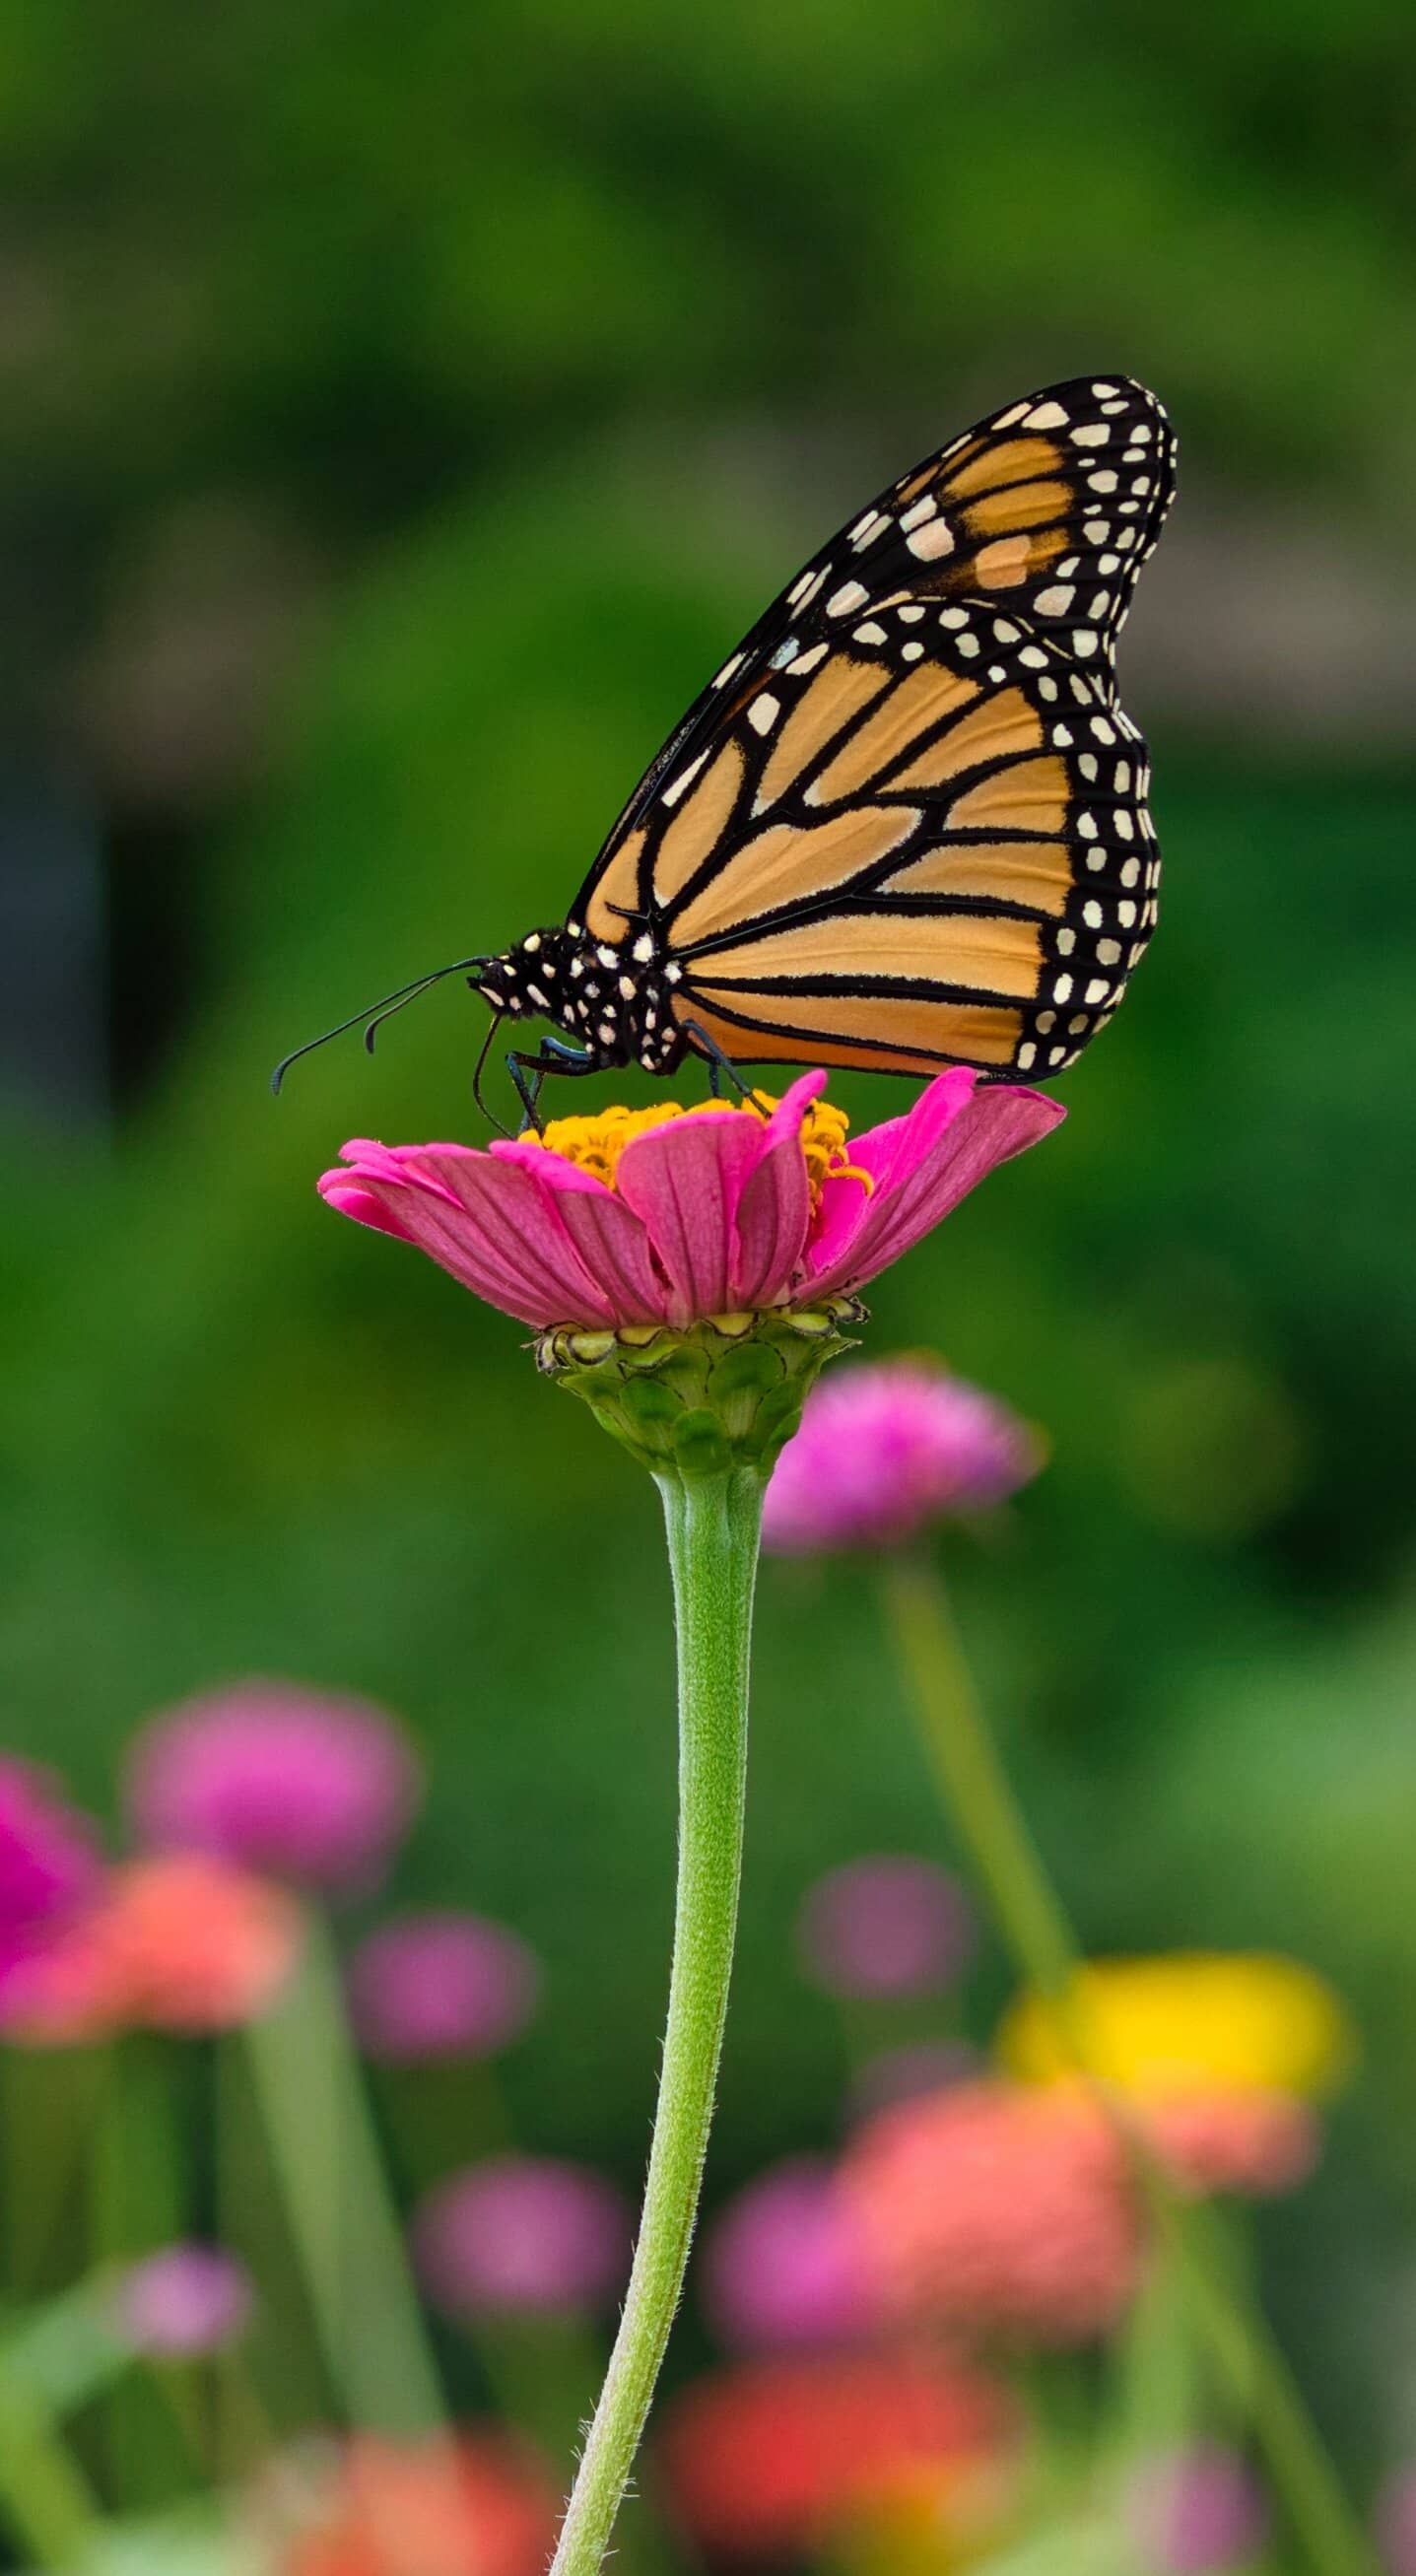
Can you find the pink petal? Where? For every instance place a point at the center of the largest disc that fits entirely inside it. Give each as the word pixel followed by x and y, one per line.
pixel 887 1153
pixel 341 1190
pixel 489 1224
pixel 608 1236
pixel 685 1181
pixel 931 1162
pixel 774 1210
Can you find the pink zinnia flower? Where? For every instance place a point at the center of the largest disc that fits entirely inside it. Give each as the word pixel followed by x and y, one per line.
pixel 1196 2512
pixel 474 2503
pixel 441 1985
pixel 1233 2138
pixel 884 1450
pixel 661 1216
pixel 999 2210
pixel 786 2263
pixel 769 2458
pixel 307 1785
pixel 523 2232
pixel 176 1943
pixel 887 1926
pixel 184 2301
pixel 49 1866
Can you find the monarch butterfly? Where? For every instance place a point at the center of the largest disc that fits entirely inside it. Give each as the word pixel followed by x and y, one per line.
pixel 905 825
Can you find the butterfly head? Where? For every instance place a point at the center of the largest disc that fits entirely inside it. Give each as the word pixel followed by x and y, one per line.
pixel 613 999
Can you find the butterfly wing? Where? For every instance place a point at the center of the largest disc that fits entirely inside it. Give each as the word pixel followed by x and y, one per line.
pixel 906 823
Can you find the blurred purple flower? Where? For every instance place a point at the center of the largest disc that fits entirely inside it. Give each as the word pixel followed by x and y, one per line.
pixel 307 1785
pixel 186 2300
pixel 1395 2522
pixel 522 2233
pixel 885 1926
pixel 902 2074
pixel 884 1450
pixel 49 1864
pixel 1196 2512
pixel 784 2263
pixel 441 1985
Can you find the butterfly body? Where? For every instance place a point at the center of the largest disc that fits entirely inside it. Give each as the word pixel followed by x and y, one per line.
pixel 906 824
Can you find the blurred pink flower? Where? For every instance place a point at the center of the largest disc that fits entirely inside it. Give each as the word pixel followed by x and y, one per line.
pixel 886 1449
pixel 307 1785
pixel 1234 2138
pixel 49 1865
pixel 667 1216
pixel 1196 2512
pixel 1395 2522
pixel 785 2263
pixel 441 1985
pixel 186 2300
pixel 1000 2210
pixel 474 2503
pixel 768 2459
pixel 886 1925
pixel 176 1942
pixel 522 2232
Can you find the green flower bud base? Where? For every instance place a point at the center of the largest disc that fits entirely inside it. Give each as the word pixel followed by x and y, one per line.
pixel 723 1393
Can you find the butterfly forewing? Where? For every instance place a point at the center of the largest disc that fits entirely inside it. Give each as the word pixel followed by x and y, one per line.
pixel 906 823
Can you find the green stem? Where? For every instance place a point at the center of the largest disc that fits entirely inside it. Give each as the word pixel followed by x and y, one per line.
pixel 713 1523
pixel 309 2086
pixel 976 1794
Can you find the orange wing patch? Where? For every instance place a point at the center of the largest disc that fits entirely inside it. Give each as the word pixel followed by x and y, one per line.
pixel 616 893
pixel 883 1033
pixel 1029 797
pixel 925 698
pixel 1003 725
pixel 840 692
pixel 699 822
pixel 990 953
pixel 1035 873
pixel 786 864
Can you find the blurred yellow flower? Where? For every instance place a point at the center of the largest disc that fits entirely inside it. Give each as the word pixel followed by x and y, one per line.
pixel 1190 2021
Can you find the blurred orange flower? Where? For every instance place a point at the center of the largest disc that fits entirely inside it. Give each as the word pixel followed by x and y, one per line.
pixel 767 2458
pixel 476 2506
pixel 176 1943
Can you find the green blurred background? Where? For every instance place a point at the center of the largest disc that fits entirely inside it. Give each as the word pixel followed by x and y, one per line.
pixel 404 407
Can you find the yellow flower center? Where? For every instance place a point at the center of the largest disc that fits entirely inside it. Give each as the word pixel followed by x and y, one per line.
pixel 597 1142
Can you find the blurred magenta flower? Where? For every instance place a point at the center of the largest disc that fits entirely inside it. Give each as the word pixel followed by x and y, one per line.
pixel 773 2457
pixel 307 1785
pixel 1234 2139
pixel 785 2263
pixel 49 1865
pixel 441 1985
pixel 670 1216
pixel 999 2210
pixel 884 1926
pixel 177 1942
pixel 885 1449
pixel 522 2233
pixel 1196 2512
pixel 1395 2522
pixel 186 2300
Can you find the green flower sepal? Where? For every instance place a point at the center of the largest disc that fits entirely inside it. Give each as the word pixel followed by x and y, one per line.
pixel 697 1400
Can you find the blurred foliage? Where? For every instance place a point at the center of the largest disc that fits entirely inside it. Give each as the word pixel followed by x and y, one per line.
pixel 475 312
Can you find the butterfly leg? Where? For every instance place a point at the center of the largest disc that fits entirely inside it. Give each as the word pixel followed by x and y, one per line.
pixel 528 1072
pixel 721 1067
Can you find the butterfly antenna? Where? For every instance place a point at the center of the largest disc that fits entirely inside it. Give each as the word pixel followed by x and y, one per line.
pixel 375 1014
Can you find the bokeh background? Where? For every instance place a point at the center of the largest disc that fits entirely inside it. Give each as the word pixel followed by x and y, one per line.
pixel 403 408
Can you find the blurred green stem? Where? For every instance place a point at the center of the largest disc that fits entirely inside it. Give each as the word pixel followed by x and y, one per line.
pixel 713 1523
pixel 977 1797
pixel 45 2499
pixel 310 2090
